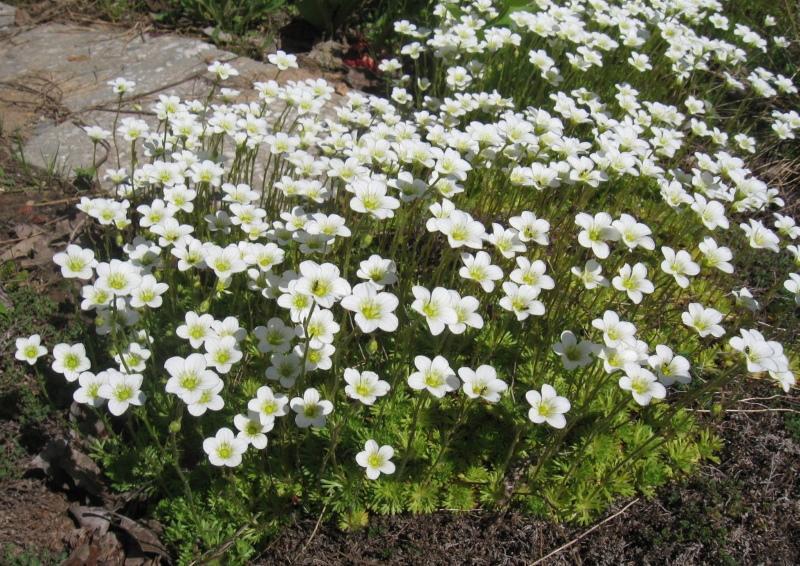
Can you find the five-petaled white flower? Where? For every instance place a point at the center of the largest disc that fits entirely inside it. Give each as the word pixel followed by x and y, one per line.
pixel 29 349
pixel 434 375
pixel 311 409
pixel 642 384
pixel 122 390
pixel 482 382
pixel 224 448
pixel 547 407
pixel 376 459
pixel 364 386
pixel 704 320
pixel 76 262
pixel 574 354
pixel 435 306
pixel 70 360
pixel 373 309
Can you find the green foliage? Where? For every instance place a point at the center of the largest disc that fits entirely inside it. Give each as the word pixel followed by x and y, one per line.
pixel 237 17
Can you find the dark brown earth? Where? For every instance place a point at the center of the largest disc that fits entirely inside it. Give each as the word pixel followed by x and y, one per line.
pixel 746 510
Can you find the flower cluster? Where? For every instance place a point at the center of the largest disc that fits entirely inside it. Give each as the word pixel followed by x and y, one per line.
pixel 290 254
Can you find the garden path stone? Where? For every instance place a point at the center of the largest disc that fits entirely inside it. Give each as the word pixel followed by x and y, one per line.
pixel 63 69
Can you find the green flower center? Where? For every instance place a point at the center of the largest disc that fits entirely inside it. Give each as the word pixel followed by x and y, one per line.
pixel 117 281
pixel 224 450
pixel 431 310
pixel 434 379
pixel 71 361
pixel 189 381
pixel 31 351
pixel 123 392
pixel 370 310
pixel 375 460
pixel 75 264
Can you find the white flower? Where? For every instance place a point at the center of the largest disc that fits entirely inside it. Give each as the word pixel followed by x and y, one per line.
pixel 642 384
pixel 633 233
pixel 793 286
pixel 268 404
pixel 547 407
pixel 209 399
pixel 322 283
pixel 284 368
pixel 89 391
pixel 311 409
pixel 370 198
pixel 132 359
pixel 591 275
pixel 711 213
pixel 466 313
pixel 479 268
pixel 760 237
pixel 505 240
pixel 532 274
pixel 253 429
pixel 521 300
pixel 680 265
pixel 148 293
pixel 574 354
pixel 282 60
pixel 222 70
pixel 121 390
pixel 482 382
pixel 760 354
pixel 596 232
pixel 70 360
pixel 118 277
pixel 319 328
pixel 222 353
pixel 633 280
pixel 75 262
pixel 121 86
pixel 275 337
pixel 530 228
pixel 704 320
pixel 745 298
pixel 196 329
pixel 224 261
pixel 376 459
pixel 434 375
pixel 373 309
pixel 364 386
pixel 30 349
pixel 616 332
pixel 379 271
pixel 462 230
pixel 669 367
pixel 715 255
pixel 189 377
pixel 225 449
pixel 435 306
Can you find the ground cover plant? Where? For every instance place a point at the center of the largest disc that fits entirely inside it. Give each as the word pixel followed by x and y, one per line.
pixel 503 285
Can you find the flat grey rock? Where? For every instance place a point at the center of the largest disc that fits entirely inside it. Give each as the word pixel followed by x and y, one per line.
pixel 8 15
pixel 74 63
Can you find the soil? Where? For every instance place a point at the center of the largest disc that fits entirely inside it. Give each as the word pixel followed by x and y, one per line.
pixel 746 510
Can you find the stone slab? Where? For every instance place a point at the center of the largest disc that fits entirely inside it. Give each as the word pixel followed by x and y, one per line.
pixel 74 63
pixel 8 15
